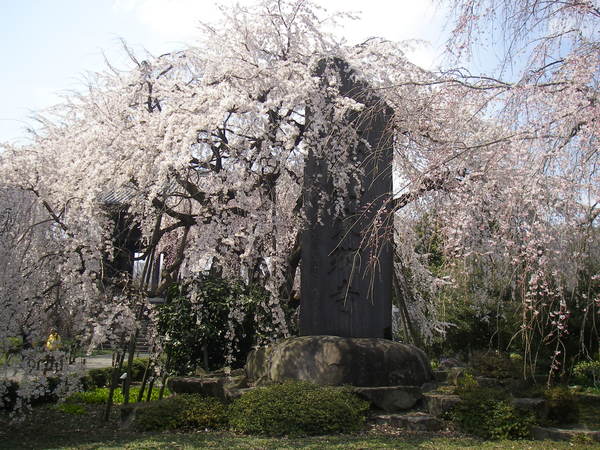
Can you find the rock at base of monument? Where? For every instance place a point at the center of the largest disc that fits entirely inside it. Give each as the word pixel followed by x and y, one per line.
pixel 334 360
pixel 417 421
pixel 220 386
pixel 391 398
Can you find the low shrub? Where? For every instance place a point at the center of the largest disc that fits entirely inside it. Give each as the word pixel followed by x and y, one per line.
pixel 496 364
pixel 587 373
pixel 100 395
pixel 97 378
pixel 138 368
pixel 183 411
pixel 71 408
pixel 297 408
pixel 489 414
pixel 102 377
pixel 562 405
pixel 465 383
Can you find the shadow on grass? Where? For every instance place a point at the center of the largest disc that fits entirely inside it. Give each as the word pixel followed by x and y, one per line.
pixel 48 428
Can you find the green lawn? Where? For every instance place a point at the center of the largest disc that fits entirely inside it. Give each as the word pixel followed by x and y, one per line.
pixel 50 428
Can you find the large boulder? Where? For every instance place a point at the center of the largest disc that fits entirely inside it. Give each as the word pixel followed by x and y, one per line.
pixel 334 360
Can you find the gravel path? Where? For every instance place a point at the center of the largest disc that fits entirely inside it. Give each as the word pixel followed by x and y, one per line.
pixel 90 362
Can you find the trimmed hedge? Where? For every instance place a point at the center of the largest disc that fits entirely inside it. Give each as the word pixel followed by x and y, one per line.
pixel 298 408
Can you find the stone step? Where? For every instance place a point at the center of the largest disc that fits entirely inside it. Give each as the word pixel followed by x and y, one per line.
pixel 437 404
pixel 415 421
pixel 391 398
pixel 563 434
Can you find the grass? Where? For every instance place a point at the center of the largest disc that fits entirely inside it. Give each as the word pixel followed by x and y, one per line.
pixel 49 427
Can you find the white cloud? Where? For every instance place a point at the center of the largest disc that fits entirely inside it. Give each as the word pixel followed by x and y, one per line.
pixel 177 20
pixel 400 20
pixel 173 20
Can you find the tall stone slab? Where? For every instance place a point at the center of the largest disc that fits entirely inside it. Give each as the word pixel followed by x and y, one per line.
pixel 342 292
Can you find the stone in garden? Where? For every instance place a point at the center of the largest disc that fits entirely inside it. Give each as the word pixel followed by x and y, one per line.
pixel 417 421
pixel 390 398
pixel 448 363
pixel 334 360
pixel 438 404
pixel 220 386
pixel 563 434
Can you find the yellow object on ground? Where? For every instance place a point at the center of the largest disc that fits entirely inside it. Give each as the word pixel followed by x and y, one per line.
pixel 53 342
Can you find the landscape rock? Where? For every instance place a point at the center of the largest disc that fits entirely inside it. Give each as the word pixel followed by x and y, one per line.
pixel 257 363
pixel 563 434
pixel 438 404
pixel 430 386
pixel 334 360
pixel 223 387
pixel 391 398
pixel 457 373
pixel 448 363
pixel 196 385
pixel 414 421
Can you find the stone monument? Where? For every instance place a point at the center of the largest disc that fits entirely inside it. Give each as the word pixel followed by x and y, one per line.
pixel 346 282
pixel 346 300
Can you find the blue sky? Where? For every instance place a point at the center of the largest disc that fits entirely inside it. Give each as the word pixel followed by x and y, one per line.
pixel 48 45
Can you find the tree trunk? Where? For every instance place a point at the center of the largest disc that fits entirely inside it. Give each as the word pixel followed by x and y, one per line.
pixel 144 380
pixel 113 383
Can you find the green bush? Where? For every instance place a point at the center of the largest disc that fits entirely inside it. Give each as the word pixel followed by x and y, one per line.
pixel 198 333
pixel 297 408
pixel 97 378
pixel 496 364
pixel 587 373
pixel 71 408
pixel 183 411
pixel 101 377
pixel 138 368
pixel 100 395
pixel 562 405
pixel 488 413
pixel 465 382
